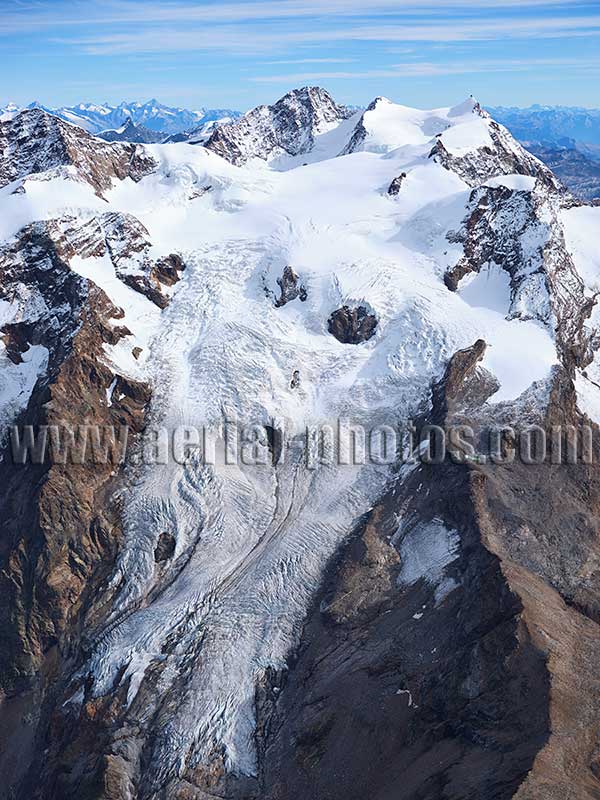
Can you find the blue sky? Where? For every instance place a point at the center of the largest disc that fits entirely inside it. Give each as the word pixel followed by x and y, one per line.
pixel 239 53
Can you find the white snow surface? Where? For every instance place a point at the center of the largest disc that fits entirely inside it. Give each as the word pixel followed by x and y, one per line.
pixel 389 126
pixel 426 550
pixel 582 229
pixel 255 539
pixel 17 381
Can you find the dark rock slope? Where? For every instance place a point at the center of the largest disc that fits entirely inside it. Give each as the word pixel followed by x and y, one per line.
pixel 479 685
pixel 287 127
pixel 58 534
pixel 35 142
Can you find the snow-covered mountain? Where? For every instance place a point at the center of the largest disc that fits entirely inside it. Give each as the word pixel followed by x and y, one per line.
pixel 37 143
pixel 291 624
pixel 130 132
pixel 153 115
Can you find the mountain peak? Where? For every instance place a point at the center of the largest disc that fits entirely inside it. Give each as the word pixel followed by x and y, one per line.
pixel 288 127
pixel 130 132
pixel 47 144
pixel 470 105
pixel 315 95
pixel 176 620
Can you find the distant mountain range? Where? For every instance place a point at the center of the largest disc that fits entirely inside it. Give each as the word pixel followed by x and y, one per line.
pixel 574 168
pixel 565 138
pixel 152 115
pixel 551 124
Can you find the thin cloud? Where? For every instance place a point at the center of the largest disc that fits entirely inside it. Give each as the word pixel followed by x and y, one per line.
pixel 31 16
pixel 244 39
pixel 428 69
pixel 313 61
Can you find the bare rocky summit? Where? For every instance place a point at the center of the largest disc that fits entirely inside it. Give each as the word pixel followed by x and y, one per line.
pixel 289 127
pixel 36 142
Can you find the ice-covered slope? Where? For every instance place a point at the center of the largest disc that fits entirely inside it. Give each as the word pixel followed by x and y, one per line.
pixel 463 138
pixel 469 246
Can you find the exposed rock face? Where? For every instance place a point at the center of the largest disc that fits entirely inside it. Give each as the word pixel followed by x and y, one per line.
pixel 36 142
pixel 73 323
pixel 165 547
pixel 476 702
pixel 291 287
pixel 288 126
pixel 59 534
pixel 503 157
pixel 360 132
pixel 126 241
pixel 396 185
pixel 520 232
pixel 402 692
pixel 352 325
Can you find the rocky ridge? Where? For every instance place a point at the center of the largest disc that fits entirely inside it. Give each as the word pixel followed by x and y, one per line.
pixel 35 142
pixel 519 230
pixel 289 127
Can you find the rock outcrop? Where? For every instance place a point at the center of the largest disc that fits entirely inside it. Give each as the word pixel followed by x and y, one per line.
pixel 502 156
pixel 291 287
pixel 396 185
pixel 352 325
pixel 520 232
pixel 35 142
pixel 289 127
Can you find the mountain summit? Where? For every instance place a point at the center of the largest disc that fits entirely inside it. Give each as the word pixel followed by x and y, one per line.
pixel 288 127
